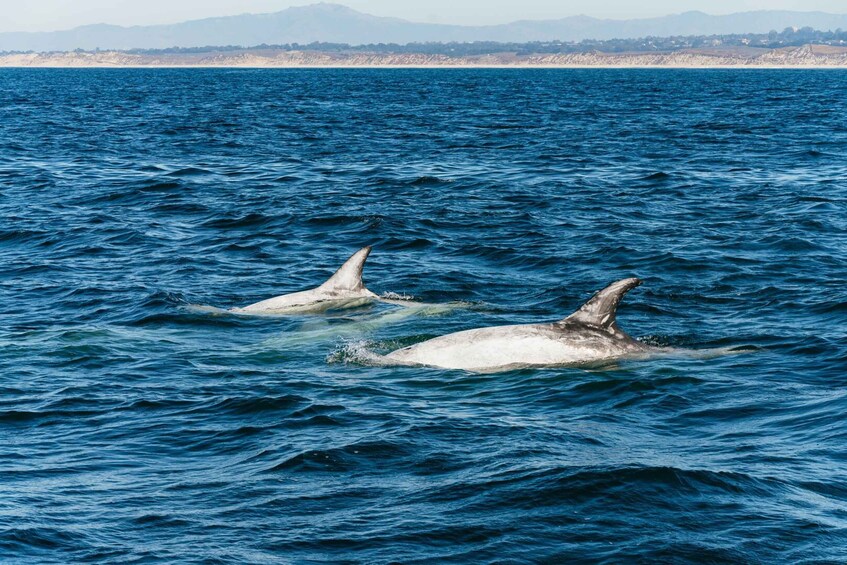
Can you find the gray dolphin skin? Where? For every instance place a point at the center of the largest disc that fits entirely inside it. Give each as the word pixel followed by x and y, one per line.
pixel 589 335
pixel 344 289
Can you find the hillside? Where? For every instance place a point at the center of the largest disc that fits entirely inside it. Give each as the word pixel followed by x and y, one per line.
pixel 339 24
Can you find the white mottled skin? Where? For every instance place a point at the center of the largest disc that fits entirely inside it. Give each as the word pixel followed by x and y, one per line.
pixel 589 335
pixel 344 289
pixel 314 300
pixel 505 347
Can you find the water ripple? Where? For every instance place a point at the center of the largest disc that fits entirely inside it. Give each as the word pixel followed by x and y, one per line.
pixel 142 423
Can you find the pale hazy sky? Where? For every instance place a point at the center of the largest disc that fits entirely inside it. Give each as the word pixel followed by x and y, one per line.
pixel 49 15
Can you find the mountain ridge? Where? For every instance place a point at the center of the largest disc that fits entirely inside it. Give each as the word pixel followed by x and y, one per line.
pixel 326 22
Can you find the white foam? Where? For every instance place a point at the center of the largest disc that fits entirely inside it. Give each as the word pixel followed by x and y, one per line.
pixel 358 352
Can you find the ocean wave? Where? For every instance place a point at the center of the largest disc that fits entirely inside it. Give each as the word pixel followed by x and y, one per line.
pixel 132 402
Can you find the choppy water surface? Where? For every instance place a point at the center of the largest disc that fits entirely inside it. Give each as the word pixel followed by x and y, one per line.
pixel 136 428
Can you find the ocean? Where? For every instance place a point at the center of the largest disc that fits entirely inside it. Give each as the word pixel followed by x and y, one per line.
pixel 141 425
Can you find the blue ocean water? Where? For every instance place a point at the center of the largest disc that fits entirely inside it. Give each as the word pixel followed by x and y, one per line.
pixel 139 428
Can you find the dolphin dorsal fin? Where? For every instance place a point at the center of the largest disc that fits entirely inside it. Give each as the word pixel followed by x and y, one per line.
pixel 601 309
pixel 349 276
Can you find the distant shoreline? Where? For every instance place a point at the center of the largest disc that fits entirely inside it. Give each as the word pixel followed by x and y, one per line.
pixel 444 67
pixel 804 57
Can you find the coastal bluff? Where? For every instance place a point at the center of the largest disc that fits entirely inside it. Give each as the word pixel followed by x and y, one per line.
pixel 806 56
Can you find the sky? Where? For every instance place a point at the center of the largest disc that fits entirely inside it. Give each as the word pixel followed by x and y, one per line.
pixel 51 15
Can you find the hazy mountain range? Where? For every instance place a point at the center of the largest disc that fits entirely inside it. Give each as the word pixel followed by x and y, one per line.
pixel 339 24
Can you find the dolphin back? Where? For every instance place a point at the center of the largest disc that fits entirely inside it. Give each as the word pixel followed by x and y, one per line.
pixel 601 310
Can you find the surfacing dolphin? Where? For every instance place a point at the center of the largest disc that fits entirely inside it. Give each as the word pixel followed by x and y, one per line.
pixel 345 289
pixel 587 336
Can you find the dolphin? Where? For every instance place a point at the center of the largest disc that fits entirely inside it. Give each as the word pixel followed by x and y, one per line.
pixel 344 289
pixel 589 335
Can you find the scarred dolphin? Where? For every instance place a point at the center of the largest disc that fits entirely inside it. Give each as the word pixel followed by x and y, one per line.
pixel 589 335
pixel 345 289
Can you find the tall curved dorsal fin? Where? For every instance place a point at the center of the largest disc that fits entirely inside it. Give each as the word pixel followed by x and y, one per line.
pixel 349 276
pixel 601 309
